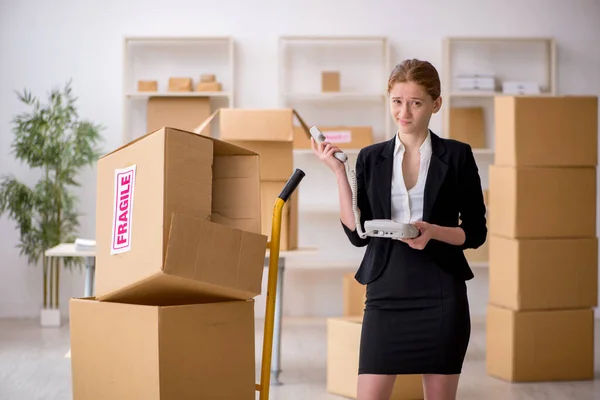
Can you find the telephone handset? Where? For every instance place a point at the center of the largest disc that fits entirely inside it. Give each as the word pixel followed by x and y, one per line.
pixel 383 228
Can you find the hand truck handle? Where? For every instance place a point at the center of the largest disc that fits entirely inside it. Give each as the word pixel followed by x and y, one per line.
pixel 291 184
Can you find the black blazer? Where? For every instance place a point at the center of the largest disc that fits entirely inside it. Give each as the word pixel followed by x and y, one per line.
pixel 453 197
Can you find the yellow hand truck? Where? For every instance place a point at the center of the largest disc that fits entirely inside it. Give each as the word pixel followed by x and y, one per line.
pixel 273 246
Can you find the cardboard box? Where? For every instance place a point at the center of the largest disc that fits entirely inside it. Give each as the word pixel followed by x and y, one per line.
pixel 528 346
pixel 276 158
pixel 543 274
pixel 177 84
pixel 208 78
pixel 177 112
pixel 208 87
pixel 529 202
pixel 546 131
pixel 289 219
pixel 147 86
pixel 355 295
pixel 178 220
pixel 330 81
pixel 345 137
pixel 467 125
pixel 343 340
pixel 126 351
pixel 237 124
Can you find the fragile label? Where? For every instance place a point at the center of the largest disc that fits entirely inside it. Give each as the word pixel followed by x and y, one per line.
pixel 122 210
pixel 344 136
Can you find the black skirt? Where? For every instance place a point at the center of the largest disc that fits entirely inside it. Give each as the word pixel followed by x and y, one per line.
pixel 416 319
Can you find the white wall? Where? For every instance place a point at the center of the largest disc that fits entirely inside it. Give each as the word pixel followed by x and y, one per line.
pixel 43 44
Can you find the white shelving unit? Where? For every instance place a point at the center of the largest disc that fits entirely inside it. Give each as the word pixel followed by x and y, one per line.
pixel 364 65
pixel 159 58
pixel 530 59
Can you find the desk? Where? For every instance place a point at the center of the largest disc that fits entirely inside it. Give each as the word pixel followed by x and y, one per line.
pixel 68 250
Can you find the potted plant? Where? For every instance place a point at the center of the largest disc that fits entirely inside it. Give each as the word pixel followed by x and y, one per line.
pixel 51 139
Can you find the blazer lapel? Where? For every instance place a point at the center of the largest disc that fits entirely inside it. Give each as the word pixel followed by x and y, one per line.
pixel 383 184
pixel 435 175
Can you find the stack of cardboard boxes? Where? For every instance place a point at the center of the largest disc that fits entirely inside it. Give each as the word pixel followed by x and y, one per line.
pixel 543 246
pixel 180 258
pixel 343 346
pixel 269 133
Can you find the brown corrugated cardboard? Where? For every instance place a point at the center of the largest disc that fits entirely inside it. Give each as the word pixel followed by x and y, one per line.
pixel 467 125
pixel 289 218
pixel 546 131
pixel 208 78
pixel 542 274
pixel 147 86
pixel 276 158
pixel 177 84
pixel 237 124
pixel 529 202
pixel 540 345
pixel 156 243
pixel 208 87
pixel 330 81
pixel 125 351
pixel 343 340
pixel 177 112
pixel 345 137
pixel 354 296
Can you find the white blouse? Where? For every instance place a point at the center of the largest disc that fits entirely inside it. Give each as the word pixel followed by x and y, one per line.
pixel 407 205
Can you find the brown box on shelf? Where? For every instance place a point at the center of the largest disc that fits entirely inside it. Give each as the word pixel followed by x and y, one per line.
pixel 330 81
pixel 343 341
pixel 346 137
pixel 147 86
pixel 208 78
pixel 543 274
pixel 176 112
pixel 241 124
pixel 208 87
pixel 467 125
pixel 180 84
pixel 534 346
pixel 546 131
pixel 542 202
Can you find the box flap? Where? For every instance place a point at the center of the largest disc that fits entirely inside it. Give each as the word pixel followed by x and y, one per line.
pixel 215 254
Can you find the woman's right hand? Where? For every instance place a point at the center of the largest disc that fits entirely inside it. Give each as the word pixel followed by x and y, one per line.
pixel 325 151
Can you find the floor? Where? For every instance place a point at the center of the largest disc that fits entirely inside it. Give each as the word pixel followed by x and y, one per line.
pixel 33 366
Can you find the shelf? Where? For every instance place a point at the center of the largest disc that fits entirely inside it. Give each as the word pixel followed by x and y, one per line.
pixel 336 96
pixel 492 94
pixel 145 95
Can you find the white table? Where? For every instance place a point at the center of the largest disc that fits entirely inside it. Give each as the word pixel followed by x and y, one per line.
pixel 68 250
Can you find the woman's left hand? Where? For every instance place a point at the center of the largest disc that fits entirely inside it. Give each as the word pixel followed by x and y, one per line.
pixel 425 236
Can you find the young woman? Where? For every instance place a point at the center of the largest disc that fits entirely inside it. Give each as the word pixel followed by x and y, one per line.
pixel 416 317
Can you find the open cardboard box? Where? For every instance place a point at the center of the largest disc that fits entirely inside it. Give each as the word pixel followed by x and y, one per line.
pixel 178 221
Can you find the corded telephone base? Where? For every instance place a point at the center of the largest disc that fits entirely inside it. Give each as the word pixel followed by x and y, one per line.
pixel 387 228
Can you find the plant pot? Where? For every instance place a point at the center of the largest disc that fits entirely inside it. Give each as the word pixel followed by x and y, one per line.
pixel 50 317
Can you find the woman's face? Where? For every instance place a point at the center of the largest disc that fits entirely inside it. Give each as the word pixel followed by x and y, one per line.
pixel 411 107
